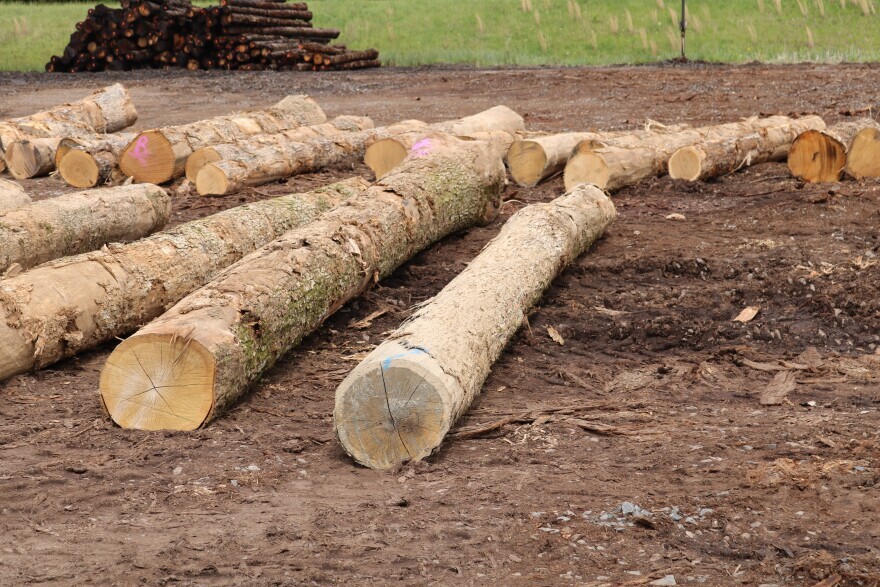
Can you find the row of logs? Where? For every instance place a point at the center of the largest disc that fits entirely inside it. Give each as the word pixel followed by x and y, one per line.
pixel 238 34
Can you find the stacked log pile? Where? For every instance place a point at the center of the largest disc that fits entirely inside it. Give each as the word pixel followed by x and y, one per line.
pixel 238 34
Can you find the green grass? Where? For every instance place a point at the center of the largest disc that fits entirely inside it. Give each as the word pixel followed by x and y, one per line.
pixel 536 32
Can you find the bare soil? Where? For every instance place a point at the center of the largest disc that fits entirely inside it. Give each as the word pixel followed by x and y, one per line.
pixel 637 449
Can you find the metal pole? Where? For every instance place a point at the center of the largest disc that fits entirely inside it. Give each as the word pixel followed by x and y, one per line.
pixel 683 26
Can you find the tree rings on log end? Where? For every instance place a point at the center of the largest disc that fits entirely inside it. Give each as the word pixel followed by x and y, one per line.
pixel 149 158
pixel 196 161
pixel 22 159
pixel 211 181
pixel 587 167
pixel 527 161
pixel 686 163
pixel 816 157
pixel 392 411
pixel 863 159
pixel 384 155
pixel 158 382
pixel 79 169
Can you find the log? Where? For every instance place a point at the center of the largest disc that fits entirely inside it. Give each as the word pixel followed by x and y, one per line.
pixel 252 168
pixel 820 155
pixel 207 350
pixel 293 19
pixel 401 400
pixel 863 159
pixel 73 304
pixel 281 31
pixel 12 196
pixel 29 158
pixel 244 149
pixel 91 162
pixel 387 153
pixel 614 163
pixel 725 155
pixel 280 12
pixel 159 155
pixel 269 4
pixel 79 222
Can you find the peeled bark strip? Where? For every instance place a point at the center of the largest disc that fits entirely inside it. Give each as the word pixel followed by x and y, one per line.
pixel 86 163
pixel 863 159
pixel 252 168
pixel 157 156
pixel 12 196
pixel 401 400
pixel 207 350
pixel 820 155
pixel 726 155
pixel 242 150
pixel 80 222
pixel 614 163
pixel 387 153
pixel 61 308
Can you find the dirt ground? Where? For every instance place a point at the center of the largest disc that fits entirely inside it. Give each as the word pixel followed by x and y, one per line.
pixel 636 450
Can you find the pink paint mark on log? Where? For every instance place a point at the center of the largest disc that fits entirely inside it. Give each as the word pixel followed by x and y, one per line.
pixel 422 148
pixel 141 150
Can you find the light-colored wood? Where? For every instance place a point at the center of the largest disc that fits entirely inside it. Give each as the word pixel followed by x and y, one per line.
pixel 385 154
pixel 819 156
pixel 79 222
pixel 720 156
pixel 160 155
pixel 244 150
pixel 59 309
pixel 31 157
pixel 240 168
pixel 259 308
pixel 86 163
pixel 863 158
pixel 12 196
pixel 402 399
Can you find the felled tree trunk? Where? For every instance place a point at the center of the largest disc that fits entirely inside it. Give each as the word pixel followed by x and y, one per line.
pixel 402 399
pixel 157 156
pixel 387 153
pixel 80 222
pixel 61 308
pixel 86 163
pixel 713 158
pixel 244 168
pixel 207 350
pixel 12 196
pixel 821 155
pixel 863 159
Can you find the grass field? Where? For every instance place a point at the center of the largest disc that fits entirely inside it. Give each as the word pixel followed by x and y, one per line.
pixel 533 32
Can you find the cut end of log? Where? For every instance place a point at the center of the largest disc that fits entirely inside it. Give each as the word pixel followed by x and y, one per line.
pixel 527 161
pixel 158 382
pixel 816 157
pixel 22 159
pixel 79 169
pixel 211 181
pixel 197 161
pixel 393 410
pixel 686 163
pixel 149 158
pixel 587 167
pixel 864 154
pixel 384 155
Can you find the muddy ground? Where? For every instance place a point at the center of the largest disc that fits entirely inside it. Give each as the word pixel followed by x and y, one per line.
pixel 640 448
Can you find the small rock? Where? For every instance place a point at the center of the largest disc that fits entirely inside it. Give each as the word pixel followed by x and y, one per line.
pixel 675 517
pixel 705 512
pixel 627 508
pixel 690 520
pixel 252 468
pixel 514 558
pixel 667 581
pixel 675 216
pixel 177 470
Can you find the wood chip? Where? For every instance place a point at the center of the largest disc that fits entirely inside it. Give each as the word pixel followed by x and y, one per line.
pixel 675 216
pixel 368 321
pixel 609 312
pixel 783 383
pixel 554 334
pixel 766 367
pixel 747 314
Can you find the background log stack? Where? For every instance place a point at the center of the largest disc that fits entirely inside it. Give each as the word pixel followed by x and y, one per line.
pixel 238 34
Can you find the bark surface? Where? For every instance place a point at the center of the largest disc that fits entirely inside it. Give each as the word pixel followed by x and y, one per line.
pixel 821 155
pixel 12 196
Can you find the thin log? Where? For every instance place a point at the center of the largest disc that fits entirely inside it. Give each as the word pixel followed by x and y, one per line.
pixel 368 55
pixel 399 403
pixel 12 196
pixel 364 64
pixel 70 305
pixel 207 350
pixel 863 159
pixel 296 19
pixel 293 32
pixel 280 12
pixel 821 155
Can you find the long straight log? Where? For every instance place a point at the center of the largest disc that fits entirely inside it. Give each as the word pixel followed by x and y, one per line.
pixel 385 154
pixel 80 222
pixel 296 19
pixel 725 155
pixel 207 350
pixel 294 32
pixel 252 168
pixel 280 12
pixel 160 155
pixel 269 4
pixel 12 196
pixel 90 162
pixel 863 158
pixel 70 305
pixel 402 399
pixel 820 155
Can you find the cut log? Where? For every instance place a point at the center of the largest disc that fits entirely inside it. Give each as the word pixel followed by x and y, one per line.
pixel 614 163
pixel 207 350
pixel 385 154
pixel 80 222
pixel 718 157
pixel 242 150
pixel 402 399
pixel 820 155
pixel 90 162
pixel 12 196
pixel 251 168
pixel 159 155
pixel 863 159
pixel 31 157
pixel 73 304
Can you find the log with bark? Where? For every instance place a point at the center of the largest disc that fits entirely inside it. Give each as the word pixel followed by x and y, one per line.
pixel 29 158
pixel 401 400
pixel 821 155
pixel 863 159
pixel 79 222
pixel 385 154
pixel 159 155
pixel 713 158
pixel 61 308
pixel 252 168
pixel 207 350
pixel 86 163
pixel 12 196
